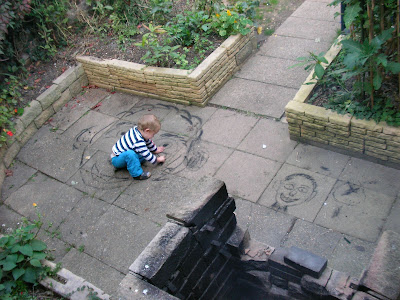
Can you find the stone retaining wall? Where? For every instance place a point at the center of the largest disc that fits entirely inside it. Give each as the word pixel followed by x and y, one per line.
pixel 181 86
pixel 344 133
pixel 39 110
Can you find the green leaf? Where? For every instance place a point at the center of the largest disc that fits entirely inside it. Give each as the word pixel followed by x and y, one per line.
pixel 351 13
pixel 30 275
pixel 21 257
pixel 319 71
pixel 39 255
pixel 1 274
pixel 352 46
pixel 36 263
pixel 8 266
pixel 3 241
pixel 379 40
pixel 15 248
pixel 393 67
pixel 381 59
pixel 12 258
pixel 2 287
pixel 38 245
pixel 26 250
pixel 17 273
pixel 108 7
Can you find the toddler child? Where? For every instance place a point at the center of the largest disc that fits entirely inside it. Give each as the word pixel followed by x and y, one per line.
pixel 136 146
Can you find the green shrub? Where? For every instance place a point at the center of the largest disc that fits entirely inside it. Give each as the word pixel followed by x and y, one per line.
pixel 229 22
pixel 20 260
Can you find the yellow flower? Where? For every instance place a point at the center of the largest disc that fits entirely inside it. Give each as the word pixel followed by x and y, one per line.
pixel 235 21
pixel 218 15
pixel 259 29
pixel 229 12
pixel 34 204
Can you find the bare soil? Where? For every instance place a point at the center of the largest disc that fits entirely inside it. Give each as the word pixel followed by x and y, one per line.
pixel 270 15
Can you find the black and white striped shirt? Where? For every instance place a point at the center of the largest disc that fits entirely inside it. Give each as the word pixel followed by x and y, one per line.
pixel 133 140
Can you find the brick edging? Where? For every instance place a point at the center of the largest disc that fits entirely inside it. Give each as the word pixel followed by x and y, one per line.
pixel 65 87
pixel 343 133
pixel 194 86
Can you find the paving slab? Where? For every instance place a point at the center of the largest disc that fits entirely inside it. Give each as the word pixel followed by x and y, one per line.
pixel 68 115
pixel 351 255
pixel 292 47
pixel 89 128
pixel 268 226
pixel 81 219
pixel 187 120
pixel 52 154
pixel 153 199
pixel 20 174
pixel 243 212
pixel 57 248
pixel 316 239
pixel 149 106
pixel 98 178
pixel 324 12
pixel 93 271
pixel 201 159
pixel 108 139
pixel 311 29
pixel 227 128
pixel 298 192
pixel 273 70
pixel 116 105
pixel 355 210
pixel 393 220
pixel 247 175
pixel 253 96
pixel 54 200
pixel 119 237
pixel 89 97
pixel 269 139
pixel 382 179
pixel 9 219
pixel 318 160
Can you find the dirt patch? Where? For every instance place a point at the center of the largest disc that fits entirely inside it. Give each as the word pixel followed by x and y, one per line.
pixel 270 15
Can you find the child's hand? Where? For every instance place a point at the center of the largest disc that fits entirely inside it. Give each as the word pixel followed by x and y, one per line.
pixel 159 150
pixel 161 159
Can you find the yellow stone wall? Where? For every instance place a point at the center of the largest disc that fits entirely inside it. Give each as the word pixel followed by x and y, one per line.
pixel 195 86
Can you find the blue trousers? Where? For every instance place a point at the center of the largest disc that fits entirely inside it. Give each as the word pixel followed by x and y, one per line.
pixel 130 160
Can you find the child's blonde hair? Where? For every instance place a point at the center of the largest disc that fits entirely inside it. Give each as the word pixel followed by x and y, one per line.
pixel 149 122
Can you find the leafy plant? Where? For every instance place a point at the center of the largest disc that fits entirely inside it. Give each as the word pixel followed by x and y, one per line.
pixel 20 256
pixel 373 47
pixel 185 29
pixel 313 61
pixel 230 22
pixel 159 50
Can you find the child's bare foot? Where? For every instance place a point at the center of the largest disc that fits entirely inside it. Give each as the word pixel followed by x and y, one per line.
pixel 143 176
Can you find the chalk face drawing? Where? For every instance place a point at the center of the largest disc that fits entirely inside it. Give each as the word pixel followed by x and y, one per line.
pixel 294 190
pixel 349 193
pixel 184 152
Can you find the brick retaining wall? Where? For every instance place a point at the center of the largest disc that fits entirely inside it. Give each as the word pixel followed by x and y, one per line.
pixel 344 133
pixel 181 86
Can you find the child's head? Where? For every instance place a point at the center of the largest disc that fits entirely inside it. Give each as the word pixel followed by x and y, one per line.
pixel 149 125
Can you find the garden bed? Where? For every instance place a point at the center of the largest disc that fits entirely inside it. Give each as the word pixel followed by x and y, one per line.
pixel 343 133
pixel 195 86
